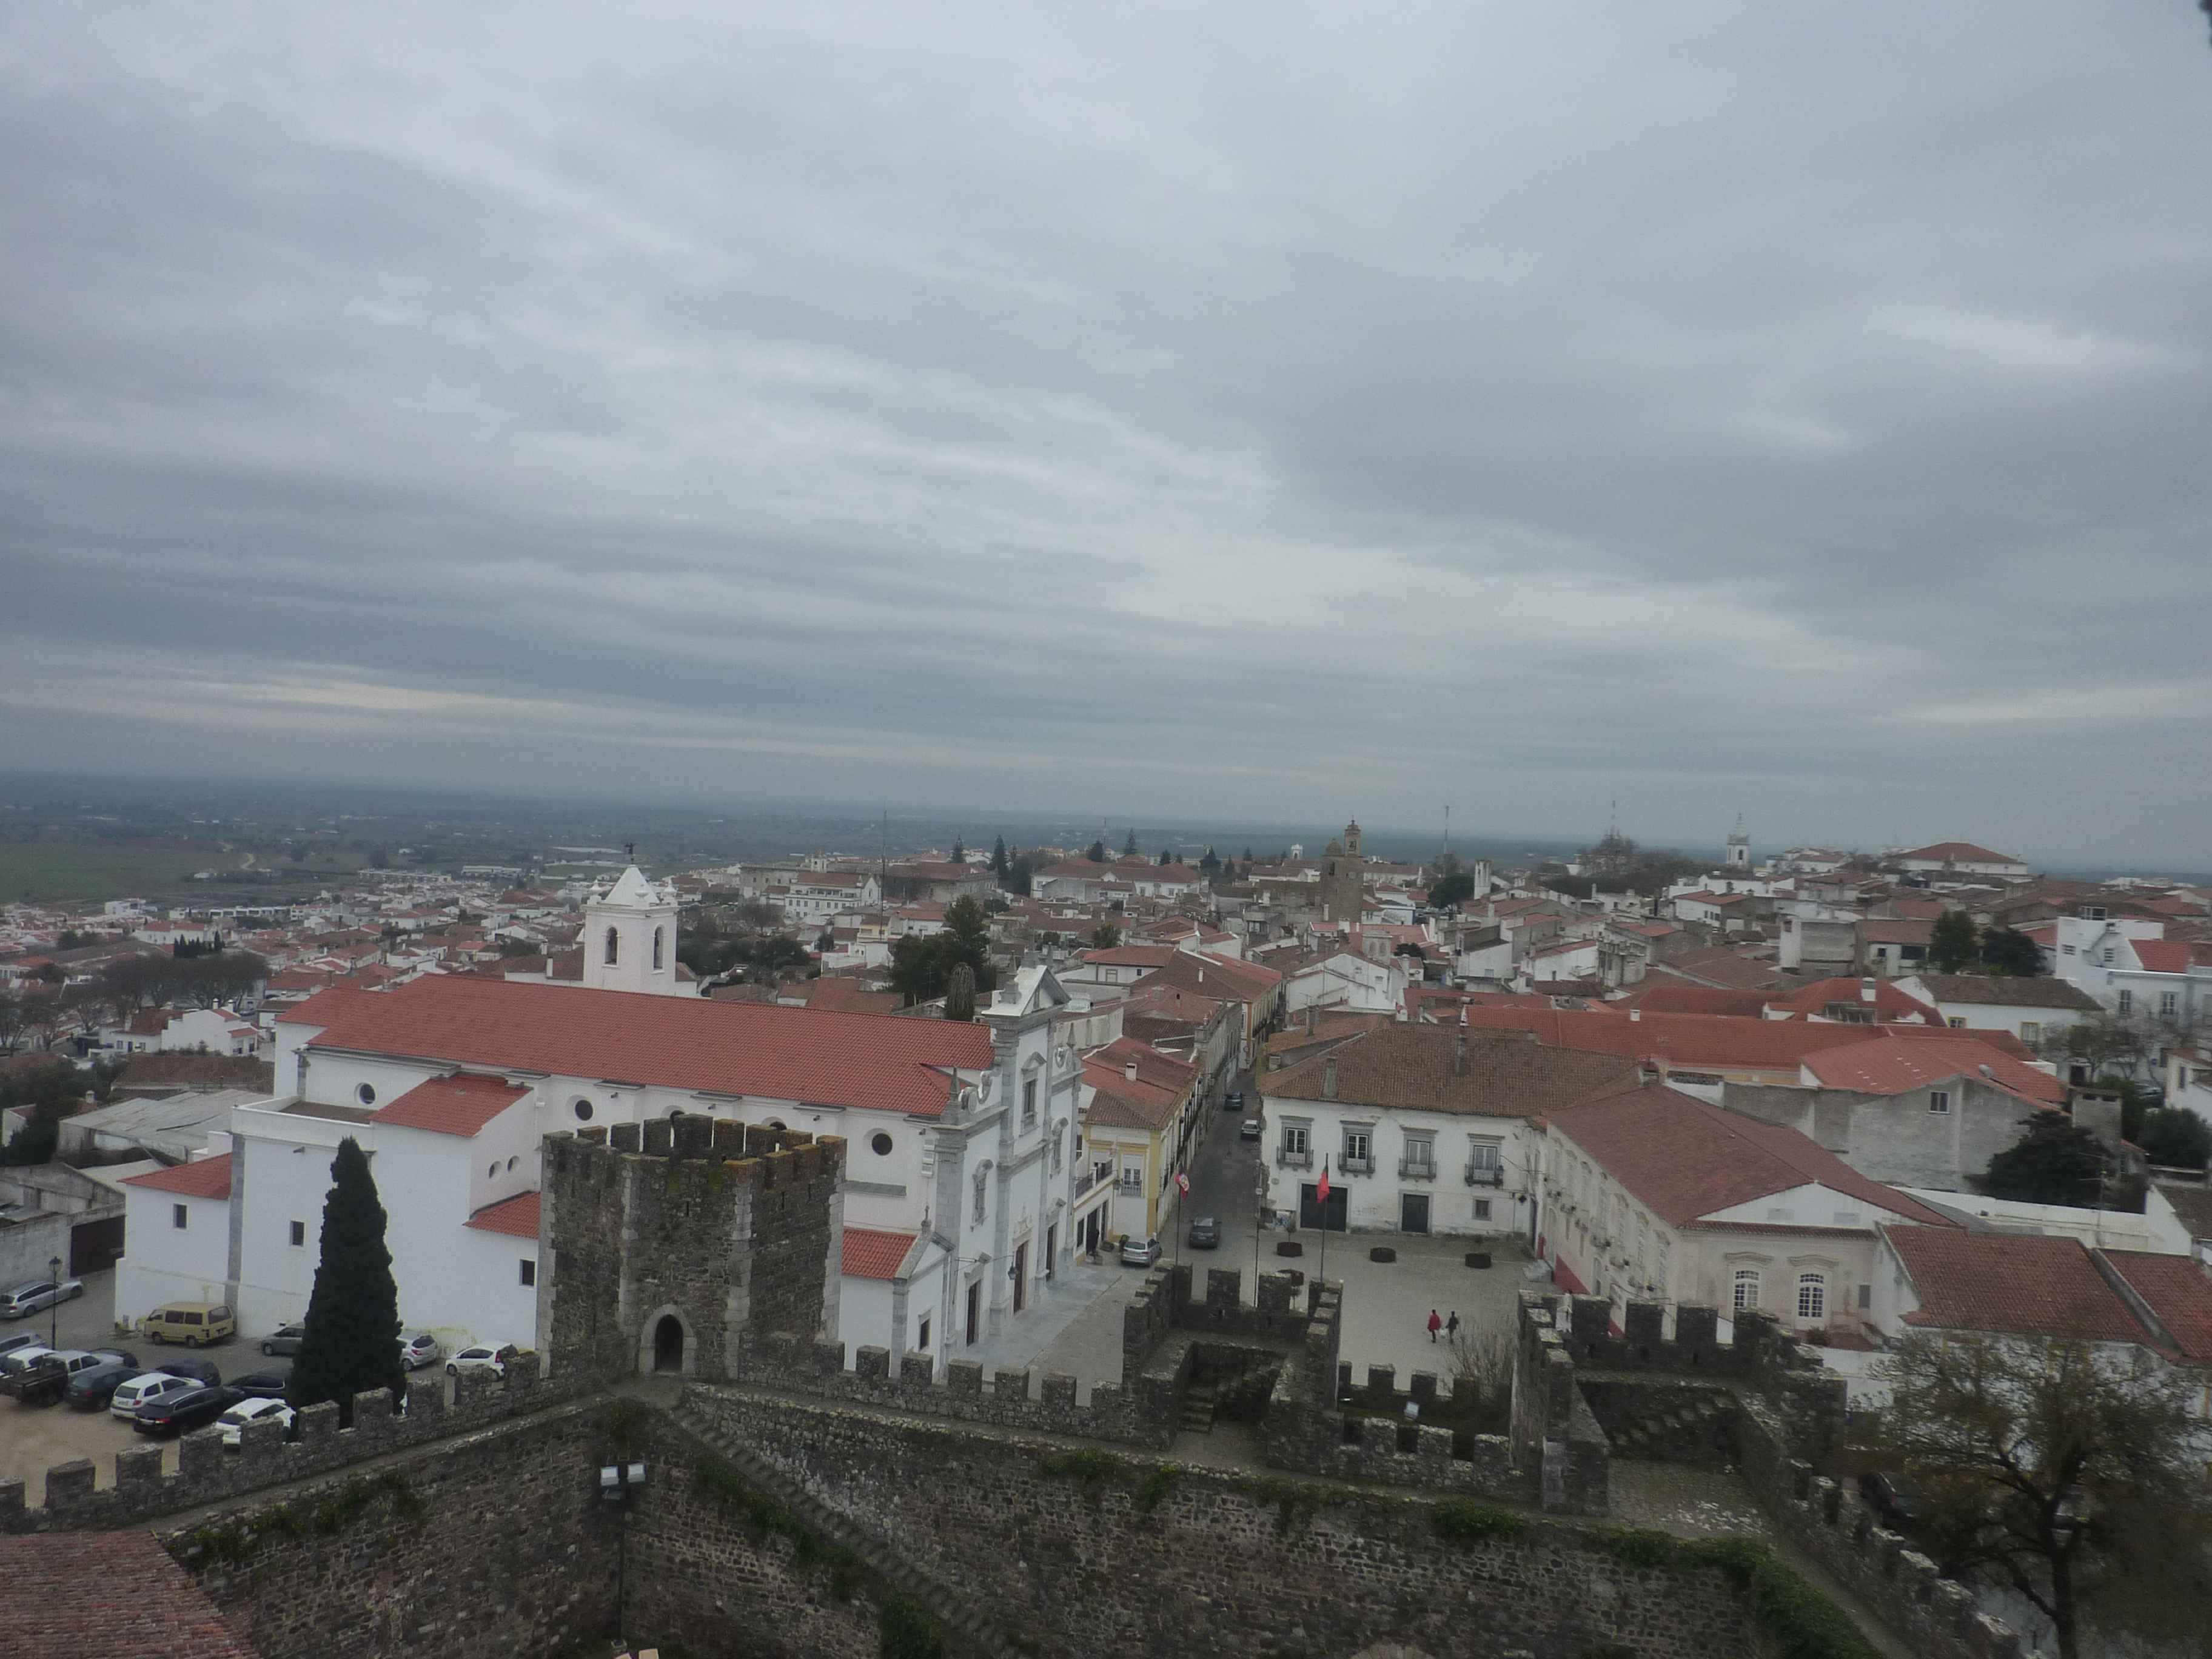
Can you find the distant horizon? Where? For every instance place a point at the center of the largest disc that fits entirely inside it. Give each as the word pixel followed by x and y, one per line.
pixel 1070 828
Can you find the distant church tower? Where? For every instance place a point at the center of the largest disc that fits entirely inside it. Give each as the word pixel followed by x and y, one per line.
pixel 1739 847
pixel 629 936
pixel 1343 884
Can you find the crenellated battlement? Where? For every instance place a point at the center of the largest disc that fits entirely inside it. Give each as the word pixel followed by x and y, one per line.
pixel 209 1473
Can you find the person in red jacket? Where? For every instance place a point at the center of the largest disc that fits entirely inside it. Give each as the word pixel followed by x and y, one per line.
pixel 1435 1324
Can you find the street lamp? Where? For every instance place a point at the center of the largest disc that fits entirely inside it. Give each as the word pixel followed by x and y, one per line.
pixel 54 1307
pixel 616 1482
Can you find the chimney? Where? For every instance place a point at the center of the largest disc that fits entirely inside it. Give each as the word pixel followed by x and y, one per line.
pixel 1635 1014
pixel 1867 990
pixel 1458 1055
pixel 1328 1079
pixel 1313 1017
pixel 1129 1070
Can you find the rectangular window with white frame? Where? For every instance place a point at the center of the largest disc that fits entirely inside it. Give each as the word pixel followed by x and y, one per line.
pixel 2031 1031
pixel 1939 1102
pixel 1419 1162
pixel 2127 1002
pixel 1358 1151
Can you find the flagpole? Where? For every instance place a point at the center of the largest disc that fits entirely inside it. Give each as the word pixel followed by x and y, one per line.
pixel 1324 1223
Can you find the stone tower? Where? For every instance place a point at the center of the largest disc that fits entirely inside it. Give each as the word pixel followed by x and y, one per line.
pixel 1739 847
pixel 676 1241
pixel 629 936
pixel 1342 884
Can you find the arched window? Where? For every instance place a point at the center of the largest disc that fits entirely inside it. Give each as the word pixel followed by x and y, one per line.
pixel 614 947
pixel 1747 1290
pixel 1812 1296
pixel 656 950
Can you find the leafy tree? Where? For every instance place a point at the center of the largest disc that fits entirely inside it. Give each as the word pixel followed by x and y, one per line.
pixel 917 969
pixel 2175 1137
pixel 2060 1469
pixel 1129 847
pixel 2054 1162
pixel 2008 950
pixel 36 1142
pixel 1456 888
pixel 2109 1042
pixel 1096 852
pixel 1021 874
pixel 351 1342
pixel 1000 868
pixel 1210 864
pixel 1105 936
pixel 967 938
pixel 1951 946
pixel 960 992
pixel 959 852
pixel 1166 858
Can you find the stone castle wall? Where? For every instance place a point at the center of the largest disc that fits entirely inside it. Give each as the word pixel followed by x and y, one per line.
pixel 207 1473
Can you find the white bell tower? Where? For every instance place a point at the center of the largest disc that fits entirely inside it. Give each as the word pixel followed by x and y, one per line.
pixel 1739 847
pixel 629 936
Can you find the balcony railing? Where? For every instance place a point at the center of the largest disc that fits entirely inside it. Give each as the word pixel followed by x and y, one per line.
pixel 1086 1180
pixel 1485 1175
pixel 1417 1169
pixel 1287 1159
pixel 1349 1166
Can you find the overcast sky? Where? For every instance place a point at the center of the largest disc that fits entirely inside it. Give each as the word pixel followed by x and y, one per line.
pixel 1234 410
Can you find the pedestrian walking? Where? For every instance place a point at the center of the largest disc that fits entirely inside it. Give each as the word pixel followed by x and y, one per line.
pixel 1436 1323
pixel 1451 1328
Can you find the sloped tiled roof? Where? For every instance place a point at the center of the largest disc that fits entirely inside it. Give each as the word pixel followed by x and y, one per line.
pixel 516 1216
pixel 96 1593
pixel 2003 993
pixel 874 1252
pixel 1420 1067
pixel 1890 1004
pixel 458 1105
pixel 2193 1205
pixel 1659 997
pixel 2171 955
pixel 1889 1065
pixel 1710 1041
pixel 2178 1292
pixel 206 1178
pixel 880 1061
pixel 2010 1284
pixel 1959 852
pixel 1684 1159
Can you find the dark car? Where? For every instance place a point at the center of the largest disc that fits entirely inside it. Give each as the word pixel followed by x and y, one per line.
pixel 186 1409
pixel 199 1370
pixel 286 1341
pixel 262 1385
pixel 1891 1496
pixel 90 1390
pixel 1206 1234
pixel 1233 1101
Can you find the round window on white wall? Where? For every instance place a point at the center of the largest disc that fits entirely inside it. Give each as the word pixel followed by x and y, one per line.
pixel 583 1111
pixel 881 1144
pixel 366 1094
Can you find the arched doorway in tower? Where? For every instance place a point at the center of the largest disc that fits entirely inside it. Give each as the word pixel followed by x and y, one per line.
pixel 668 1344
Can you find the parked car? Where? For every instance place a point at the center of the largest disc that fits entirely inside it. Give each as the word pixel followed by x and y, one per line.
pixel 90 1390
pixel 44 1382
pixel 483 1356
pixel 192 1323
pixel 29 1354
pixel 285 1340
pixel 1251 1129
pixel 192 1407
pixel 10 1344
pixel 233 1422
pixel 146 1386
pixel 193 1369
pixel 1139 1253
pixel 1206 1234
pixel 263 1385
pixel 1233 1098
pixel 37 1295
pixel 1892 1498
pixel 419 1350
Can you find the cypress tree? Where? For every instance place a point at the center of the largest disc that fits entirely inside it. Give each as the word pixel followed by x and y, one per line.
pixel 998 865
pixel 352 1337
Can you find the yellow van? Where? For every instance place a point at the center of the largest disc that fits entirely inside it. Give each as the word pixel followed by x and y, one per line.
pixel 190 1322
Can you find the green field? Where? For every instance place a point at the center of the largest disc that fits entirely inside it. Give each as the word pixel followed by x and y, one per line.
pixel 60 871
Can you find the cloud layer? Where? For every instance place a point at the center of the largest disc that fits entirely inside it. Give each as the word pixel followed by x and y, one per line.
pixel 1243 410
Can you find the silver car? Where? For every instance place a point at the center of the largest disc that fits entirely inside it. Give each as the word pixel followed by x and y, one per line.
pixel 419 1350
pixel 27 1299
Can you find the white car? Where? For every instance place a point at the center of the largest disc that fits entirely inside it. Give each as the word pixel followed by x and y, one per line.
pixel 22 1358
pixel 130 1396
pixel 233 1422
pixel 483 1357
pixel 419 1350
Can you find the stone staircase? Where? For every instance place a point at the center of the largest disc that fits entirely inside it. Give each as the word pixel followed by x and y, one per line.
pixel 1197 1408
pixel 1690 1419
pixel 965 1631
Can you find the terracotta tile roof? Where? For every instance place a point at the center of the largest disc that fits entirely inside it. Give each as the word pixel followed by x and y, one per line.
pixel 206 1178
pixel 2192 1205
pixel 879 1061
pixel 1995 991
pixel 1657 997
pixel 874 1253
pixel 1890 1004
pixel 842 994
pixel 2009 1285
pixel 1889 1065
pixel 2171 955
pixel 2178 1292
pixel 1683 1158
pixel 93 1593
pixel 1217 977
pixel 458 1105
pixel 517 1216
pixel 1162 1071
pixel 1959 852
pixel 1133 956
pixel 1707 1042
pixel 1720 965
pixel 1896 930
pixel 1417 1066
